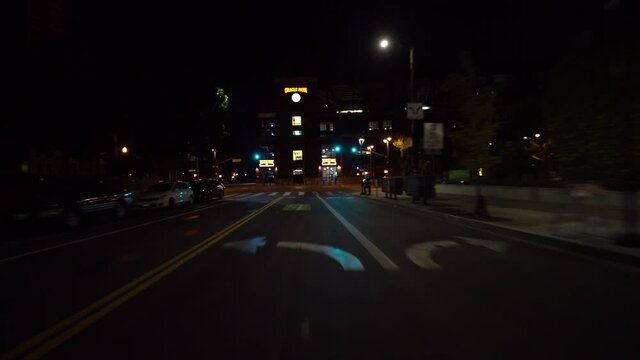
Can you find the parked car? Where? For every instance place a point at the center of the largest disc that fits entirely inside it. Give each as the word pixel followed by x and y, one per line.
pixel 67 202
pixel 207 189
pixel 165 194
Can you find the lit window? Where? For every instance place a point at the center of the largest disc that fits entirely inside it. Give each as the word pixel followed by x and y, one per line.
pixel 297 132
pixel 387 125
pixel 326 126
pixel 297 155
pixel 296 120
pixel 373 125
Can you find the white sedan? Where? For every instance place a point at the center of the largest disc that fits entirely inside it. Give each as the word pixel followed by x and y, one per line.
pixel 165 195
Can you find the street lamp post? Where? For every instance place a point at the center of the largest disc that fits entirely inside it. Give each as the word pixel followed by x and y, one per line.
pixel 361 142
pixel 384 43
pixel 387 141
pixel 370 148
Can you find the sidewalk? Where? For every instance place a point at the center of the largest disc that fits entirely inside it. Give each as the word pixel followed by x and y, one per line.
pixel 567 224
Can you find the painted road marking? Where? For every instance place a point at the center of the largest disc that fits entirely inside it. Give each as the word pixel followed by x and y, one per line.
pixel 231 195
pixel 243 195
pixel 42 343
pixel 344 258
pixel 287 193
pixel 257 194
pixel 39 251
pixel 192 217
pixel 420 254
pixel 300 193
pixel 377 254
pixel 497 246
pixel 297 207
pixel 249 246
pixel 329 193
pixel 273 193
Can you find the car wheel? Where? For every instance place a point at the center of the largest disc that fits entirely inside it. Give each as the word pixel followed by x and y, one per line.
pixel 120 211
pixel 172 203
pixel 72 219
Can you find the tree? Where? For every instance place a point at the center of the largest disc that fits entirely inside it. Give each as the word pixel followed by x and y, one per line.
pixel 591 105
pixel 478 125
pixel 475 104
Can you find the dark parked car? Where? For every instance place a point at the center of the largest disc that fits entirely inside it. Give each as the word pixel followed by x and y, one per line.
pixel 207 189
pixel 67 202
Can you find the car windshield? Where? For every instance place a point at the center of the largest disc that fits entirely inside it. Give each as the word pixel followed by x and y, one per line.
pixel 436 179
pixel 162 187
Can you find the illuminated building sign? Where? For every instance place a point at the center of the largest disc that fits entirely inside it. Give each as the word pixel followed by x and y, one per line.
pixel 297 155
pixel 295 90
pixel 329 162
pixel 266 163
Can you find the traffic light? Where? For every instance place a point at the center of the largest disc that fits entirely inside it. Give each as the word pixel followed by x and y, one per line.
pixel 353 149
pixel 256 156
pixel 338 148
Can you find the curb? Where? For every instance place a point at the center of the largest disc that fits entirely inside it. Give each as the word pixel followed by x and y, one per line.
pixel 557 242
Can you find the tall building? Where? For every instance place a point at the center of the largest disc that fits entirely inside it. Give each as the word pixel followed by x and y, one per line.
pixel 311 132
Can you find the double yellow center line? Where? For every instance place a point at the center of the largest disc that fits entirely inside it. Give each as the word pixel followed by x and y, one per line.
pixel 43 342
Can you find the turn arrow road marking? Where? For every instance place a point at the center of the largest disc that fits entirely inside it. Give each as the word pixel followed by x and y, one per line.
pixel 420 254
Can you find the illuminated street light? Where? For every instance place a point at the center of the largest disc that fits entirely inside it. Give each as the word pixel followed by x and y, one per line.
pixel 537 135
pixel 414 131
pixel 124 150
pixel 387 141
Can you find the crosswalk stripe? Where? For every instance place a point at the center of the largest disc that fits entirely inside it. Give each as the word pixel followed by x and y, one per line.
pixel 300 193
pixel 273 193
pixel 230 195
pixel 287 193
pixel 243 195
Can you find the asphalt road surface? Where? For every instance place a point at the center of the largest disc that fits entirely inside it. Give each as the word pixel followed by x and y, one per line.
pixel 309 273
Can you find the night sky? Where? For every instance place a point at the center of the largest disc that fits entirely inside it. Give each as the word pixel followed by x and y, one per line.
pixel 102 68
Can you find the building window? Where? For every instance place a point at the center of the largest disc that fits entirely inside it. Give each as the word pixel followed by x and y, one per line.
pixel 326 126
pixel 297 132
pixel 373 125
pixel 296 120
pixel 387 125
pixel 297 155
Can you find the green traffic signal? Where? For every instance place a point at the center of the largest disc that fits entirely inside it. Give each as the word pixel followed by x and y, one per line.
pixel 353 149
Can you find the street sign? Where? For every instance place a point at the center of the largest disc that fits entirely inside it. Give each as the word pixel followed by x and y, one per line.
pixel 414 111
pixel 433 136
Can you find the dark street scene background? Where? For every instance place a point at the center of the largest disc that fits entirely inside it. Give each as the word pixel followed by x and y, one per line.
pixel 323 180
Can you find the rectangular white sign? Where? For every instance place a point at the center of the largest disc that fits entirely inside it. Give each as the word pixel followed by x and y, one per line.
pixel 433 136
pixel 414 111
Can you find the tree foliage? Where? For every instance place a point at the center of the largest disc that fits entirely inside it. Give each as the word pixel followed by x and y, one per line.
pixel 593 117
pixel 475 104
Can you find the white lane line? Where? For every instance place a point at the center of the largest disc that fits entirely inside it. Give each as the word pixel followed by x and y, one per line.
pixel 287 193
pixel 377 254
pixel 230 195
pixel 273 193
pixel 300 193
pixel 39 251
pixel 243 195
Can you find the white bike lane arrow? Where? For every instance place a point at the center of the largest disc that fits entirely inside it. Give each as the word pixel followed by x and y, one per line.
pixel 347 261
pixel 421 254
